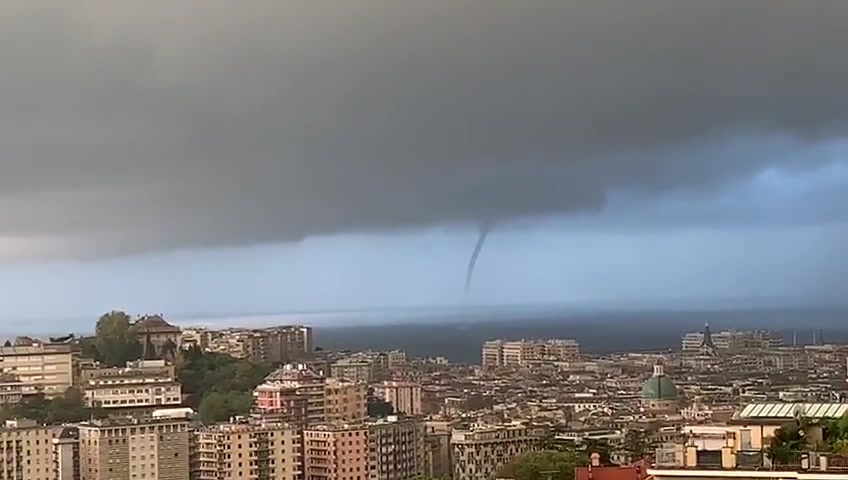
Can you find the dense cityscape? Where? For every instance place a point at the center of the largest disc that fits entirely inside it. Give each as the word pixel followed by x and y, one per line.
pixel 423 240
pixel 144 398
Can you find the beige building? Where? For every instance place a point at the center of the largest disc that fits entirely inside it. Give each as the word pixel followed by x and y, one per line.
pixel 286 343
pixel 345 401
pixel 404 397
pixel 26 450
pixel 254 450
pixel 141 384
pixel 503 353
pixel 132 448
pixel 13 390
pixel 336 452
pixel 195 337
pixel 396 449
pixel 738 449
pixel 396 358
pixel 353 369
pixel 480 453
pixel 732 340
pixel 48 367
pixel 66 454
pixel 437 437
pixel 492 353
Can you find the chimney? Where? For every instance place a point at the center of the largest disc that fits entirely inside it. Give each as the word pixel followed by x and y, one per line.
pixel 595 459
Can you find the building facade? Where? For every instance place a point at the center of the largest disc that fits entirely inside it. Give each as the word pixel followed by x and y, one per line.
pixel 504 353
pixel 299 395
pixel 480 453
pixel 132 448
pixel 437 438
pixel 732 340
pixel 255 450
pixel 404 397
pixel 396 449
pixel 66 454
pixel 282 344
pixel 345 401
pixel 13 390
pixel 336 452
pixel 353 369
pixel 141 384
pixel 27 451
pixel 47 367
pixel 158 338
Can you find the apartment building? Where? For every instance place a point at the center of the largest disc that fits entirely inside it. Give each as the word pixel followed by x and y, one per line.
pixel 396 358
pixel 294 393
pixel 195 337
pixel 66 454
pixel 27 451
pixel 481 452
pixel 437 438
pixel 286 343
pixel 299 395
pixel 404 397
pixel 396 449
pixel 732 340
pixel 289 343
pixel 13 390
pixel 143 384
pixel 135 448
pixel 345 401
pixel 366 366
pixel 336 452
pixel 250 449
pixel 503 353
pixel 354 369
pixel 492 353
pixel 47 367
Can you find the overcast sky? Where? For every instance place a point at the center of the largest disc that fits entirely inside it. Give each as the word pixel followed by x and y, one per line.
pixel 219 157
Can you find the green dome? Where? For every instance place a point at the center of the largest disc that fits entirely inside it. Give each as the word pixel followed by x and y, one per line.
pixel 659 388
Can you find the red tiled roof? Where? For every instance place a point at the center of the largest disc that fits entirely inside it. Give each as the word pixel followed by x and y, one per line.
pixel 636 471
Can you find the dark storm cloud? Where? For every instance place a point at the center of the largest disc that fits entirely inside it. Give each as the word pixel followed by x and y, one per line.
pixel 131 126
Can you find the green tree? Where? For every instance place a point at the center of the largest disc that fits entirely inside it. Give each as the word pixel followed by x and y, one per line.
pixel 114 340
pixel 544 465
pixel 220 407
pixel 218 385
pixel 67 408
pixel 835 435
pixel 786 445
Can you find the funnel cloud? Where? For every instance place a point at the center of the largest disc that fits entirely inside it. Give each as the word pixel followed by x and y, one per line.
pixel 472 263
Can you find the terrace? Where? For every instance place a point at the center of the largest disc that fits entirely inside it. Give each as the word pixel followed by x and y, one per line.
pixel 687 462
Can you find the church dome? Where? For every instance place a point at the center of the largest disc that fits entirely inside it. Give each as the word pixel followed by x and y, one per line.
pixel 659 387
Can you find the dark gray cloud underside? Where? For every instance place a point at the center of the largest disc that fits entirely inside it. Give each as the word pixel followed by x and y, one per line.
pixel 132 126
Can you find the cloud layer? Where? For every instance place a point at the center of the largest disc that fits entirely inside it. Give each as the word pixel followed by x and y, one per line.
pixel 138 126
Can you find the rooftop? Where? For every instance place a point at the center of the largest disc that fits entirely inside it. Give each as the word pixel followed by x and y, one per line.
pixel 755 463
pixel 153 322
pixel 792 410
